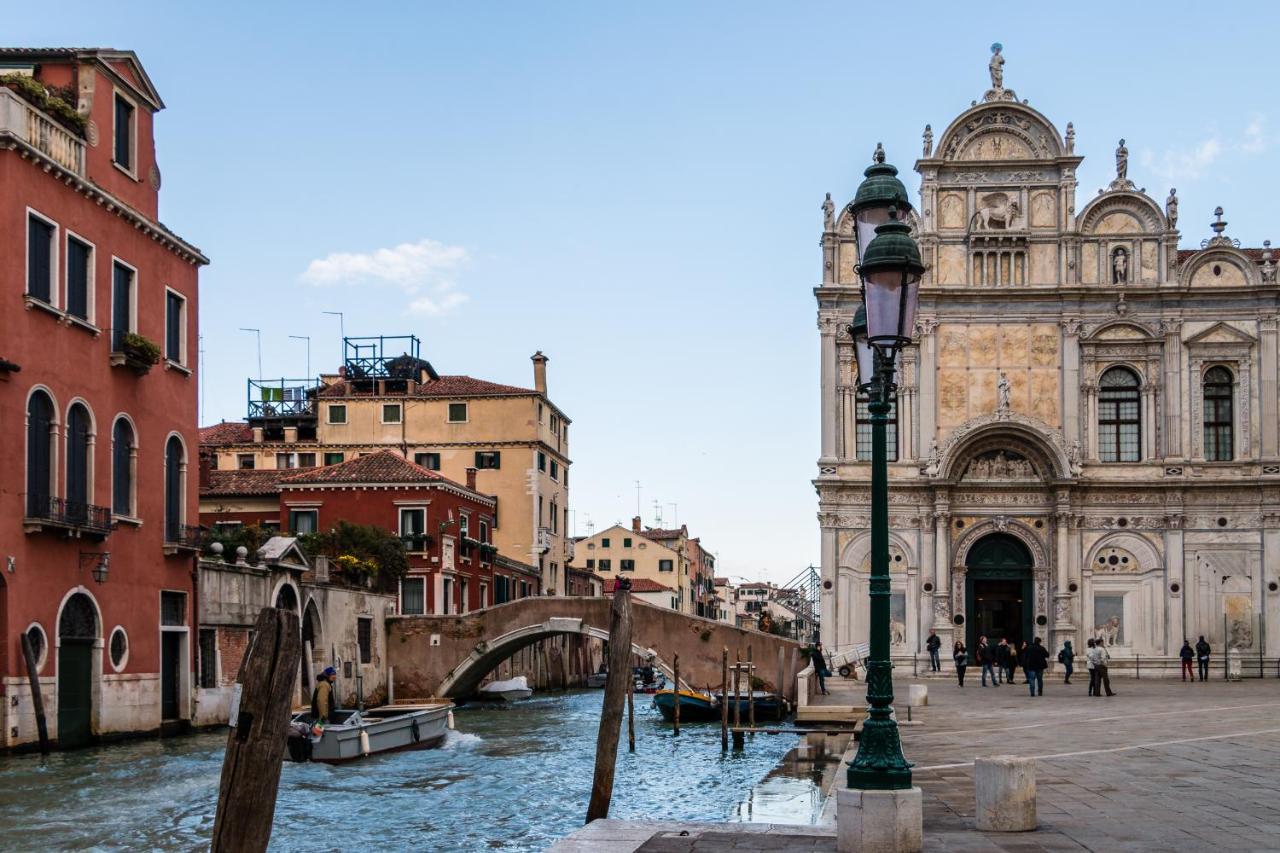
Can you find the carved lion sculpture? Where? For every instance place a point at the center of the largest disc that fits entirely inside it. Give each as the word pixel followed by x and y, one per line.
pixel 997 214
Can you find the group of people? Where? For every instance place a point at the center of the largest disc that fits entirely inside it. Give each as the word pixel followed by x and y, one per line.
pixel 1200 654
pixel 999 661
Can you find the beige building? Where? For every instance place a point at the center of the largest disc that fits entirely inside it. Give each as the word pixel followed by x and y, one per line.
pixel 386 397
pixel 628 552
pixel 1086 441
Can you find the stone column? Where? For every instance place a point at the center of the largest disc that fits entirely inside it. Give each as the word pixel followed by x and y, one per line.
pixel 1070 381
pixel 1175 573
pixel 828 258
pixel 1062 627
pixel 1148 398
pixel 1267 387
pixel 827 325
pixel 928 382
pixel 928 572
pixel 828 597
pixel 1173 446
pixel 1090 426
pixel 1271 574
pixel 941 565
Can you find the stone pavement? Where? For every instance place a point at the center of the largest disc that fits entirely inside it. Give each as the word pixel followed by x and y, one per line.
pixel 1163 765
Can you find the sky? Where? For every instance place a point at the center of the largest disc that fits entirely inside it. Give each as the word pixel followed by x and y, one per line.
pixel 634 190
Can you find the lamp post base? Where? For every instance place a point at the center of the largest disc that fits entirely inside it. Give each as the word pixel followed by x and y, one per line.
pixel 879 821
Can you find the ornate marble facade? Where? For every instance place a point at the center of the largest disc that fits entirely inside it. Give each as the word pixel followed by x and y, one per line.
pixel 1029 300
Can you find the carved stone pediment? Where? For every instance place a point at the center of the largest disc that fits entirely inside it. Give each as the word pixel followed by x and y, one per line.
pixel 1221 333
pixel 1000 465
pixel 1038 441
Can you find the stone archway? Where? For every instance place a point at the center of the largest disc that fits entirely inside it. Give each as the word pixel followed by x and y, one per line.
pixel 79 630
pixel 999 590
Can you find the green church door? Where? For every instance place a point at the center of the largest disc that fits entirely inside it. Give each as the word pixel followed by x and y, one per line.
pixel 77 635
pixel 998 592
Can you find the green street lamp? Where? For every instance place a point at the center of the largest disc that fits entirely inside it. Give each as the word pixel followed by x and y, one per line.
pixel 890 269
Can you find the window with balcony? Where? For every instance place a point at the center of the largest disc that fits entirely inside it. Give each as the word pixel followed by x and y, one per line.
pixel 123 460
pixel 175 465
pixel 413 596
pixel 122 296
pixel 491 459
pixel 430 461
pixel 175 311
pixel 123 153
pixel 79 278
pixel 333 458
pixel 303 521
pixel 413 528
pixel 41 259
pixel 40 428
pixel 337 413
pixel 457 413
pixel 79 458
pixel 391 413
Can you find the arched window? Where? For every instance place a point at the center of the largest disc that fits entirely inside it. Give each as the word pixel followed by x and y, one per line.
pixel 1218 415
pixel 122 450
pixel 1119 416
pixel 40 420
pixel 174 475
pixel 79 427
pixel 862 435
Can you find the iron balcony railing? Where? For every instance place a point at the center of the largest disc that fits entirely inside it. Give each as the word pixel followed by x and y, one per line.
pixel 416 542
pixel 183 535
pixel 382 357
pixel 69 513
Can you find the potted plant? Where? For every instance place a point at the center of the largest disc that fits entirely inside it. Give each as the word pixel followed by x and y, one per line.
pixel 140 353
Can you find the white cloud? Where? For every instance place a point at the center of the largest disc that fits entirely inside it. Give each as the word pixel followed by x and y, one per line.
pixel 423 270
pixel 1254 140
pixel 1183 164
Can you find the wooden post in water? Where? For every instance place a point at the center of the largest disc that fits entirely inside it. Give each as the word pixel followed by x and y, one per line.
pixel 724 699
pixel 615 690
pixel 256 743
pixel 751 691
pixel 737 700
pixel 37 701
pixel 631 714
pixel 676 674
pixel 781 691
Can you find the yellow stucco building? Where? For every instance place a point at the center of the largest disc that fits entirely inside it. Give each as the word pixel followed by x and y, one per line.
pixel 632 553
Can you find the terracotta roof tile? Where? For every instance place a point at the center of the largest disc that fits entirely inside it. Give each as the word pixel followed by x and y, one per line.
pixel 445 386
pixel 250 481
pixel 381 467
pixel 227 432
pixel 663 533
pixel 637 585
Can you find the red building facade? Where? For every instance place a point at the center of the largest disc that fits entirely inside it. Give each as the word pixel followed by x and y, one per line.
pixel 98 404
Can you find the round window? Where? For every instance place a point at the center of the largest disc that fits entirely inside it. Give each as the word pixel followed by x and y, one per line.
pixel 1113 559
pixel 827 584
pixel 959 619
pixel 928 587
pixel 1217 269
pixel 1173 587
pixel 119 648
pixel 1041 620
pixel 1073 587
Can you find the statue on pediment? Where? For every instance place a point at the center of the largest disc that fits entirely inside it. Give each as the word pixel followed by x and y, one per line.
pixel 828 214
pixel 1171 207
pixel 996 67
pixel 1122 163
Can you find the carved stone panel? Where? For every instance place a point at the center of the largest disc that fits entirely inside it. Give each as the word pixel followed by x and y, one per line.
pixel 1089 263
pixel 1044 263
pixel 951 265
pixel 951 211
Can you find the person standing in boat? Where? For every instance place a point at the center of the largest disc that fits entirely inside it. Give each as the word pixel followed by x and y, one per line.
pixel 322 698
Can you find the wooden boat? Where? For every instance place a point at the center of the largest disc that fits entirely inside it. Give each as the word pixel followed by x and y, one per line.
pixel 694 706
pixel 355 734
pixel 597 679
pixel 511 690
pixel 769 706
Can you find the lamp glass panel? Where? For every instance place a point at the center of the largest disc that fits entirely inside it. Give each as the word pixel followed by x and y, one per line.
pixel 866 360
pixel 867 221
pixel 888 315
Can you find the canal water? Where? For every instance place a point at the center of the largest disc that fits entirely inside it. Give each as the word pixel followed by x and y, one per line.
pixel 511 777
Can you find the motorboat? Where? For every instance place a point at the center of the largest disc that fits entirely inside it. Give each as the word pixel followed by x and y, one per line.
pixel 648 679
pixel 597 679
pixel 694 706
pixel 354 734
pixel 511 690
pixel 769 706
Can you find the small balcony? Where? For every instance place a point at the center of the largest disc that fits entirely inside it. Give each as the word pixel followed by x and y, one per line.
pixel 416 543
pixel 282 399
pixel 398 357
pixel 182 537
pixel 544 540
pixel 71 518
pixel 20 119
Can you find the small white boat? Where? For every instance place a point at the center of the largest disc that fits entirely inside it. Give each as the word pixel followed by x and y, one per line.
pixel 597 679
pixel 355 734
pixel 511 690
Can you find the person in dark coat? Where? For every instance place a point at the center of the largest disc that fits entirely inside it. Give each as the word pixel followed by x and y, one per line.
pixel 933 644
pixel 961 656
pixel 819 660
pixel 1066 657
pixel 986 659
pixel 1202 658
pixel 1188 655
pixel 1035 662
pixel 1003 666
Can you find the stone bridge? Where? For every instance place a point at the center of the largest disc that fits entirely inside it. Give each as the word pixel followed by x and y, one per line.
pixel 451 655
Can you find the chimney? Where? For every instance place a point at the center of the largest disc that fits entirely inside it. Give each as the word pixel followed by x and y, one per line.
pixel 471 479
pixel 540 372
pixel 635 524
pixel 206 465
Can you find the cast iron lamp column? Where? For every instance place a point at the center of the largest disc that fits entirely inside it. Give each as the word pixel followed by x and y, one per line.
pixel 890 269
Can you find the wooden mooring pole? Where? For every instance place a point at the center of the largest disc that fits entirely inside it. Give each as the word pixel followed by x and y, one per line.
pixel 37 701
pixel 724 699
pixel 675 667
pixel 737 700
pixel 256 743
pixel 615 691
pixel 631 714
pixel 751 689
pixel 781 690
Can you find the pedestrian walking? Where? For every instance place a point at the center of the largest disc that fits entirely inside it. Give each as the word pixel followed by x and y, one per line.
pixel 986 659
pixel 819 660
pixel 1065 657
pixel 1011 664
pixel 1202 658
pixel 933 644
pixel 1035 663
pixel 961 656
pixel 1003 667
pixel 1188 655
pixel 1093 673
pixel 1099 657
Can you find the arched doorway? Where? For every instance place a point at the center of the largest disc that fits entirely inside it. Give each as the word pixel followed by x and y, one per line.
pixel 77 635
pixel 998 590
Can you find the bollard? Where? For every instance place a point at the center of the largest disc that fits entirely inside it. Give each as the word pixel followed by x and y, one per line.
pixel 1005 793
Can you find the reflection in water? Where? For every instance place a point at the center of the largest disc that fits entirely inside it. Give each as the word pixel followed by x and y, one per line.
pixel 511 778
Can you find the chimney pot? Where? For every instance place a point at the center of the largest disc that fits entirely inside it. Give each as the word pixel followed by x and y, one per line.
pixel 471 479
pixel 540 372
pixel 635 524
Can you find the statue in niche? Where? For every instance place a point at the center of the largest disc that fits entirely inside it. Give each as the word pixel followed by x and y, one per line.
pixel 1122 163
pixel 1120 266
pixel 928 140
pixel 998 212
pixel 999 465
pixel 1268 265
pixel 996 67
pixel 1071 138
pixel 828 214
pixel 1003 390
pixel 1108 633
pixel 1171 207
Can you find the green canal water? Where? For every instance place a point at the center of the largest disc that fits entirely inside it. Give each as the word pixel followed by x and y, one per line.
pixel 510 778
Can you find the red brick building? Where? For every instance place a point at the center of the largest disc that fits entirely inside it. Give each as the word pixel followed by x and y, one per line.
pixel 97 403
pixel 447 527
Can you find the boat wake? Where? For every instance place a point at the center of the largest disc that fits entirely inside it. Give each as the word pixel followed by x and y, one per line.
pixel 460 740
